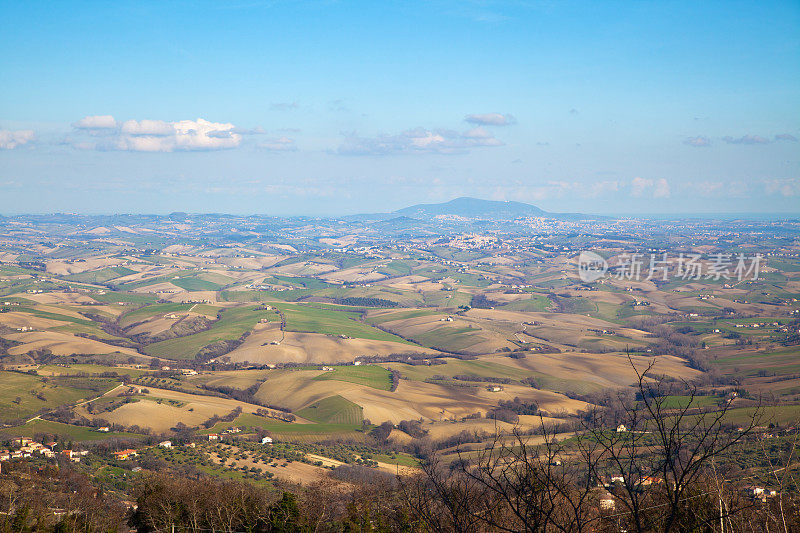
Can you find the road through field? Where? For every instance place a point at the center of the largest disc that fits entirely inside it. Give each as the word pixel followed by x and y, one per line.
pixel 84 402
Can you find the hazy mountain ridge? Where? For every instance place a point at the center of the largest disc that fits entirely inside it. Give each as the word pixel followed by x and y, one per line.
pixel 474 207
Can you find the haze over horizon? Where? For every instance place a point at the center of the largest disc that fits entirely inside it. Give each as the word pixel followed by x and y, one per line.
pixel 333 108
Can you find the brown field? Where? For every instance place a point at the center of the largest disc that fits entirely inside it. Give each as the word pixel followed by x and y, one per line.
pixel 296 389
pixel 238 379
pixel 18 320
pixel 192 296
pixel 484 337
pixel 62 344
pixel 163 286
pixel 160 417
pixel 63 268
pixel 310 347
pixel 294 472
pixel 306 268
pixel 60 298
pixel 154 326
pixel 561 329
pixel 603 370
pixel 353 274
pixel 443 430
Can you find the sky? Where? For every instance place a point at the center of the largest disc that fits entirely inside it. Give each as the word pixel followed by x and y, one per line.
pixel 340 107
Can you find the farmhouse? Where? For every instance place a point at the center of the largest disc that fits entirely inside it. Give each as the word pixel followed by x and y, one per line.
pixel 125 454
pixel 607 502
pixel 72 456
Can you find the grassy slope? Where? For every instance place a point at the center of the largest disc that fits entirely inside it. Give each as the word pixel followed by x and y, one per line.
pixel 370 375
pixel 149 311
pixel 333 410
pixel 90 369
pixel 66 431
pixel 457 367
pixel 100 276
pixel 307 319
pixel 14 385
pixel 233 323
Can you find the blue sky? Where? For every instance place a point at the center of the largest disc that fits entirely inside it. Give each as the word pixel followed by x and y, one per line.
pixel 343 107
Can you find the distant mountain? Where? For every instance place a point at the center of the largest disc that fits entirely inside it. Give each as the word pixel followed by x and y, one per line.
pixel 474 208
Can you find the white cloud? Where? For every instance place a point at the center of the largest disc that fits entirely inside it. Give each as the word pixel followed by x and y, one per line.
pixel 698 142
pixel 746 139
pixel 705 188
pixel 283 106
pixel 12 139
pixel 657 188
pixel 146 127
pixel 158 135
pixel 490 119
pixel 204 135
pixel 662 189
pixel 784 186
pixel 419 141
pixel 96 122
pixel 638 185
pixel 519 190
pixel 279 144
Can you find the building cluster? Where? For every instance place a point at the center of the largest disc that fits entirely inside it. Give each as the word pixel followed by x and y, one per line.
pixel 23 448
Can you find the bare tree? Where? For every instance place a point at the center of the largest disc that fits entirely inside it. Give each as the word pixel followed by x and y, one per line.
pixel 661 452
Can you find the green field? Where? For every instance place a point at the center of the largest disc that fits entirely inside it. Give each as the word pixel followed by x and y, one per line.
pixel 681 402
pixel 127 297
pixel 446 298
pixel 370 375
pixel 456 367
pixel 149 311
pixel 401 315
pixel 396 268
pixel 90 369
pixel 450 338
pixel 265 296
pixel 783 414
pixel 486 369
pixel 537 303
pixel 100 276
pixel 333 410
pixel 307 319
pixel 169 278
pixel 286 430
pixel 306 283
pixel 94 330
pixel 233 323
pixel 65 431
pixel 26 387
pixel 197 283
pixel 54 316
pixel 749 363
